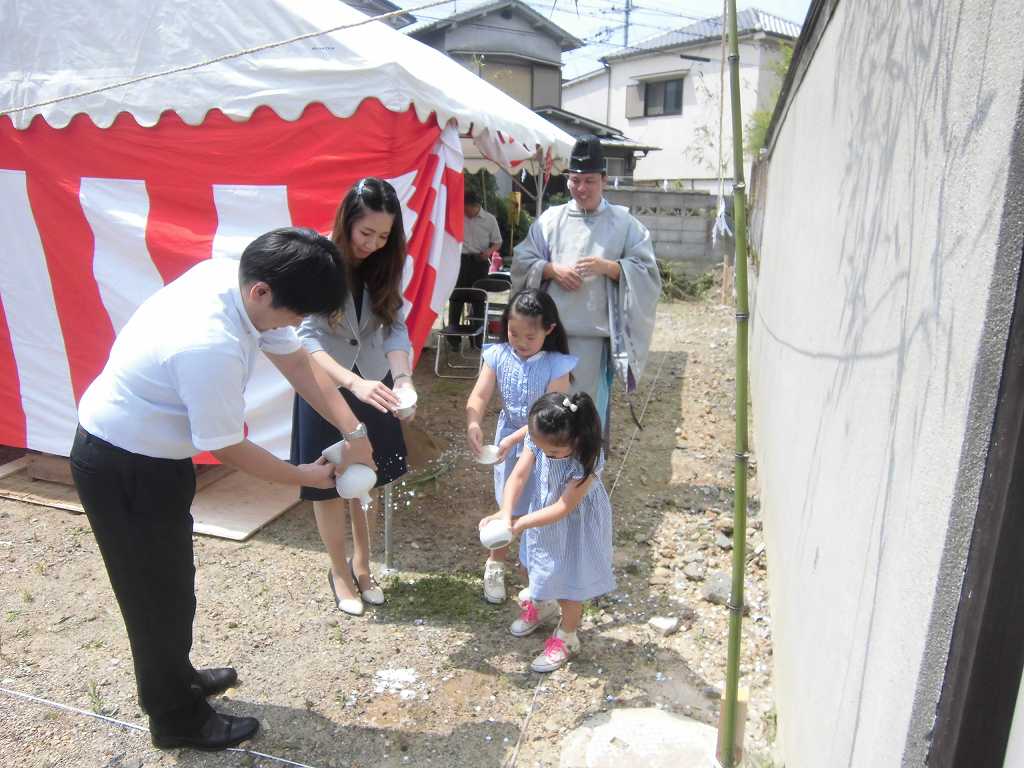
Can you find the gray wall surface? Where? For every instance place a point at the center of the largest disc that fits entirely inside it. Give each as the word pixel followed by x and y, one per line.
pixel 680 224
pixel 491 33
pixel 889 250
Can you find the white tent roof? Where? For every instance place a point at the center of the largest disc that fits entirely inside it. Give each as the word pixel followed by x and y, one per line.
pixel 51 49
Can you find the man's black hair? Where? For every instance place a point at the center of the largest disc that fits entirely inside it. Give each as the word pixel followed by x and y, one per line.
pixel 471 197
pixel 302 267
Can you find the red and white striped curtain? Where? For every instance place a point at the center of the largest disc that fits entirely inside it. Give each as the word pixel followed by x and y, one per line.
pixel 95 220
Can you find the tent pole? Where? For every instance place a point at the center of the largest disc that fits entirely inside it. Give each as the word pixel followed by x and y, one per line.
pixel 726 745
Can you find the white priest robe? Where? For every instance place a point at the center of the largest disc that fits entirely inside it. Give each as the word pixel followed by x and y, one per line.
pixel 609 323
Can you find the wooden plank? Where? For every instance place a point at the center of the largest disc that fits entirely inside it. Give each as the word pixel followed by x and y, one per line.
pixel 210 473
pixel 742 703
pixel 20 487
pixel 12 467
pixel 238 505
pixel 53 469
pixel 229 504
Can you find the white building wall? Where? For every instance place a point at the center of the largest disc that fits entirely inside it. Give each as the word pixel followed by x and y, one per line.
pixel 878 333
pixel 588 98
pixel 690 141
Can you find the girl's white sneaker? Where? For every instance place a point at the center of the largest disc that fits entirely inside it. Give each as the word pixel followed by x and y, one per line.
pixel 494 582
pixel 559 648
pixel 533 615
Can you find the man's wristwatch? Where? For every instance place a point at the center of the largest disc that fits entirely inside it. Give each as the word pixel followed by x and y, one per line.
pixel 357 433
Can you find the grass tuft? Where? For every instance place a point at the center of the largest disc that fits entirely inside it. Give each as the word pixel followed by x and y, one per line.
pixel 450 598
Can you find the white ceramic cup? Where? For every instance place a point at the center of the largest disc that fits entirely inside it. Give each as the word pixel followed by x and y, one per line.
pixel 407 398
pixel 495 534
pixel 356 482
pixel 333 452
pixel 488 455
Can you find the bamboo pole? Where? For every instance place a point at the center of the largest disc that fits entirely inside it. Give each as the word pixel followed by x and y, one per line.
pixel 739 543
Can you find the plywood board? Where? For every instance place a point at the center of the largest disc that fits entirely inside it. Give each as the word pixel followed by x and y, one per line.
pixel 228 504
pixel 14 466
pixel 53 469
pixel 237 506
pixel 19 486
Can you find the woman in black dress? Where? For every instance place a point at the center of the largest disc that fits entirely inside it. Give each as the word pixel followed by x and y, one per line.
pixel 364 347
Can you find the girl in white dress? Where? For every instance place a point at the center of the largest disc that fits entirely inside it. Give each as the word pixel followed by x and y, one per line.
pixel 531 359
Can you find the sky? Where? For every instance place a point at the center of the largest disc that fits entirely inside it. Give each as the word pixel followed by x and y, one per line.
pixel 601 22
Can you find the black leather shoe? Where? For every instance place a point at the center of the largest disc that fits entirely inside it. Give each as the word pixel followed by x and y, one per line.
pixel 218 732
pixel 216 680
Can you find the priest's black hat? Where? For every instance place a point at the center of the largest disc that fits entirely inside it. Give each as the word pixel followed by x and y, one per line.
pixel 587 155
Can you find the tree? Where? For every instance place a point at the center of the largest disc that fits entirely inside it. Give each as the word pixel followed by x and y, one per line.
pixel 760 119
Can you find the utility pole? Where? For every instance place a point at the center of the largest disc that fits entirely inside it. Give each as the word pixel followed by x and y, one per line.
pixel 629 8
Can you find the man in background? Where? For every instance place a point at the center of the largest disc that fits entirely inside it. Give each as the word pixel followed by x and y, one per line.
pixel 481 237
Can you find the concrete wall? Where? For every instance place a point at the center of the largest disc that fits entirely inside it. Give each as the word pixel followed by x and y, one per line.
pixel 879 326
pixel 680 225
pixel 689 141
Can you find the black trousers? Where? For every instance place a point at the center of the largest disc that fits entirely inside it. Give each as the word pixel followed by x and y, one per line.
pixel 138 507
pixel 472 269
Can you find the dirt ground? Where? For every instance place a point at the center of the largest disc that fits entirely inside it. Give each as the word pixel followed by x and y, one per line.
pixel 433 678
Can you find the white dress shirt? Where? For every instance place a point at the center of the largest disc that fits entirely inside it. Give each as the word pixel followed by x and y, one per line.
pixel 174 384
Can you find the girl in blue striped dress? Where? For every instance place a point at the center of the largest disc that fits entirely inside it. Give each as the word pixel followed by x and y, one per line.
pixel 532 358
pixel 567 533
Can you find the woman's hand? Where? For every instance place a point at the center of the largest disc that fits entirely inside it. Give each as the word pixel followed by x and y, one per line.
pixel 406 383
pixel 319 474
pixel 517 525
pixel 475 437
pixel 374 393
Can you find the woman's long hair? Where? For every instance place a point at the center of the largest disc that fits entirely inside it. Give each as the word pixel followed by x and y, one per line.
pixel 530 302
pixel 381 271
pixel 570 420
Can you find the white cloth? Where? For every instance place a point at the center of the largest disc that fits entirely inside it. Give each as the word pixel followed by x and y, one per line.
pixel 479 232
pixel 61 47
pixel 622 311
pixel 175 380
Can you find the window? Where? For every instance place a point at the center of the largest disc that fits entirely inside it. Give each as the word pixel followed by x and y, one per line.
pixel 616 166
pixel 547 86
pixel 664 97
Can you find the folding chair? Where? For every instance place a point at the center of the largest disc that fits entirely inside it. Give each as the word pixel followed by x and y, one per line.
pixel 498 294
pixel 465 331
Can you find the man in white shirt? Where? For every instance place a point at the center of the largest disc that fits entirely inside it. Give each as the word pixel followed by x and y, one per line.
pixel 173 387
pixel 481 237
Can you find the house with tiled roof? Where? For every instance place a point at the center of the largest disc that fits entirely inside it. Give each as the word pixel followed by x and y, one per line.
pixel 666 91
pixel 505 42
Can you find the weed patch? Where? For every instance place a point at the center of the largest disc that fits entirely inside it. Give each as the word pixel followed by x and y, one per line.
pixel 450 598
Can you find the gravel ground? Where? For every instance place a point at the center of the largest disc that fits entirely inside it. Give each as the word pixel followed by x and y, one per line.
pixel 433 678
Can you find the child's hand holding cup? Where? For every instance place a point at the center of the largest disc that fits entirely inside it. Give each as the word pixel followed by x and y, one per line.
pixel 495 531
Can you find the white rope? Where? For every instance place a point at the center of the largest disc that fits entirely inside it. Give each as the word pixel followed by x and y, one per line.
pixel 134 726
pixel 511 763
pixel 217 59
